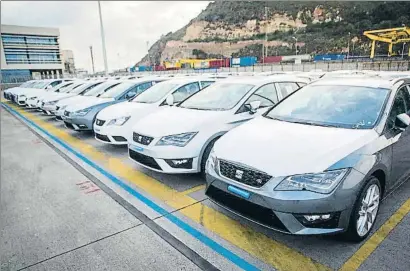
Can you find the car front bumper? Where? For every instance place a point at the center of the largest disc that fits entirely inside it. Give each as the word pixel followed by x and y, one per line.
pixel 159 158
pixel 284 211
pixel 77 123
pixel 112 134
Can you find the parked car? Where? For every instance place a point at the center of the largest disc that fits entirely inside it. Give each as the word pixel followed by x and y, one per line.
pixel 80 117
pixel 33 98
pixel 114 124
pixel 320 161
pixel 179 139
pixel 87 89
pixel 19 95
pixel 7 92
pixel 48 103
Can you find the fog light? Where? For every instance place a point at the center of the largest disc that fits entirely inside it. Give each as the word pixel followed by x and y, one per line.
pixel 82 126
pixel 180 163
pixel 312 218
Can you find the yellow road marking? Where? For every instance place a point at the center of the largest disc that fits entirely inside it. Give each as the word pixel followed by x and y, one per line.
pixel 256 244
pixel 376 239
pixel 193 189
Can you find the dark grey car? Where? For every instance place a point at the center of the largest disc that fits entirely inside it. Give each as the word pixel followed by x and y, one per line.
pixel 320 161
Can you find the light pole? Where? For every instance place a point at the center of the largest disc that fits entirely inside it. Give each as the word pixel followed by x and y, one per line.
pixel 92 58
pixel 103 40
pixel 402 50
pixel 296 45
pixel 348 46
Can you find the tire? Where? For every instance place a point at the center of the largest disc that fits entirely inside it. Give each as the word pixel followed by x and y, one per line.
pixel 205 155
pixel 352 233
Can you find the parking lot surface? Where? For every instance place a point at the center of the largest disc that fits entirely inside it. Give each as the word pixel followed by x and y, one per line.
pixel 69 201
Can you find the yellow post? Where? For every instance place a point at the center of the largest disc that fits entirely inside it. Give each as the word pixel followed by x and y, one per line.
pixel 390 49
pixel 373 48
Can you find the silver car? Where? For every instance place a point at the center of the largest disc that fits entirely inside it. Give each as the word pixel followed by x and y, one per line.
pixel 320 161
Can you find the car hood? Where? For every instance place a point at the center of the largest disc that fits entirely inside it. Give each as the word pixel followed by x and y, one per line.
pixel 71 100
pixel 176 120
pixel 21 91
pixel 282 148
pixel 56 96
pixel 124 109
pixel 88 102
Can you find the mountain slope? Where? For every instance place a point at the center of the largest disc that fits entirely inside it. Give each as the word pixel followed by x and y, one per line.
pixel 237 28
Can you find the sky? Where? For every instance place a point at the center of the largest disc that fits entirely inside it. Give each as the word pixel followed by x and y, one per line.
pixel 128 26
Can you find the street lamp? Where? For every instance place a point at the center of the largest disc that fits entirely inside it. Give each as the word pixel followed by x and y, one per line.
pixel 296 46
pixel 348 46
pixel 103 40
pixel 402 50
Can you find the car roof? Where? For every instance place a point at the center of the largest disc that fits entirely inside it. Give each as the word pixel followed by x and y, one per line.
pixel 375 82
pixel 260 80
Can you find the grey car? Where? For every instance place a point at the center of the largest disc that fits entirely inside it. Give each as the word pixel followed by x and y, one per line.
pixel 81 116
pixel 318 162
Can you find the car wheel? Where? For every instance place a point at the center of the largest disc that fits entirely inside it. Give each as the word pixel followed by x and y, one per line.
pixel 365 211
pixel 205 156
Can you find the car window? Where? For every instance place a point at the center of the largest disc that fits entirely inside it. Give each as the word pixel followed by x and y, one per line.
pixel 266 95
pixel 301 84
pixel 185 91
pixel 287 88
pixel 141 87
pixel 401 105
pixel 88 87
pixel 55 83
pixel 206 83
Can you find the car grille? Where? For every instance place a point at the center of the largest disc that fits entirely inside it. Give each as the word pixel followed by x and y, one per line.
pixel 144 140
pixel 143 159
pixel 102 137
pixel 242 174
pixel 66 113
pixel 99 122
pixel 247 209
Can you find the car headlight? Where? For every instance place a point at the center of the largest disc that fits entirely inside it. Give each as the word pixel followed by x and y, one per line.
pixel 179 140
pixel 51 103
pixel 323 182
pixel 82 112
pixel 213 161
pixel 119 121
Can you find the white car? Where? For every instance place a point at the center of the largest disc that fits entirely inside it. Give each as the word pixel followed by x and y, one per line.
pixel 114 124
pixel 33 97
pixel 19 95
pixel 76 100
pixel 48 103
pixel 27 84
pixel 179 139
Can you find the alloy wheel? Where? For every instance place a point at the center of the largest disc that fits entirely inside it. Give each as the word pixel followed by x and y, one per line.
pixel 368 210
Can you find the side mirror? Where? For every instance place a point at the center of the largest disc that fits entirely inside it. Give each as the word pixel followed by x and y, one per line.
pixel 170 100
pixel 402 122
pixel 130 95
pixel 253 106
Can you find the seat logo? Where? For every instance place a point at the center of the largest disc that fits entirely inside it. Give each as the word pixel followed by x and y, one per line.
pixel 238 174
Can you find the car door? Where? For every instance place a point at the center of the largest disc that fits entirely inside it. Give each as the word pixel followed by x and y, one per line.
pixel 400 168
pixel 268 97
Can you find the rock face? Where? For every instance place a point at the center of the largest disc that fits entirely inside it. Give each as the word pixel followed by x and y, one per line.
pixel 227 28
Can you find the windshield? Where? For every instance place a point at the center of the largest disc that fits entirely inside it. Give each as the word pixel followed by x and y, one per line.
pixel 85 88
pixel 27 84
pixel 117 90
pixel 58 87
pixel 155 93
pixel 100 89
pixel 332 105
pixel 219 96
pixel 40 84
pixel 69 88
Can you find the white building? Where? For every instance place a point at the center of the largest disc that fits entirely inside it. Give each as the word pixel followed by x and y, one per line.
pixel 30 52
pixel 67 57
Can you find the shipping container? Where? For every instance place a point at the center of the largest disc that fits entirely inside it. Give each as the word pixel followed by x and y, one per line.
pixel 243 61
pixel 292 58
pixel 159 68
pixel 272 59
pixel 144 68
pixel 219 63
pixel 204 64
pixel 329 57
